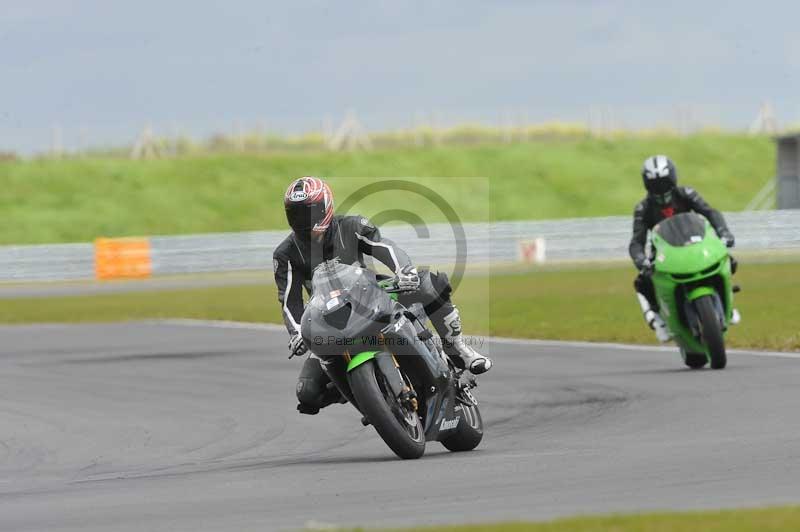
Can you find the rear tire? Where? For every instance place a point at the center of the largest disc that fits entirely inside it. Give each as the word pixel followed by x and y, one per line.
pixel 405 438
pixel 469 432
pixel 711 331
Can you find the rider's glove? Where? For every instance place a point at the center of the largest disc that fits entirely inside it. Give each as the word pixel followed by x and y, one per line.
pixel 646 268
pixel 296 346
pixel 727 239
pixel 408 279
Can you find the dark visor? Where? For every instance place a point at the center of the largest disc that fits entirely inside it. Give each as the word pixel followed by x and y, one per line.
pixel 660 186
pixel 302 217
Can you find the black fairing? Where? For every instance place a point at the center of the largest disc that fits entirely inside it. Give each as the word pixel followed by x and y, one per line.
pixel 350 313
pixel 421 361
pixel 347 307
pixel 680 229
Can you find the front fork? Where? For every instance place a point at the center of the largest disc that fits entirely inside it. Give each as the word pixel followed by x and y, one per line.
pixel 388 366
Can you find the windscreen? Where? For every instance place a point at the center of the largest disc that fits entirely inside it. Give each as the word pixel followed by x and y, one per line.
pixel 682 229
pixel 333 280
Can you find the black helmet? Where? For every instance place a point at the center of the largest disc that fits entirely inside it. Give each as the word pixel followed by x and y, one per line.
pixel 660 178
pixel 309 206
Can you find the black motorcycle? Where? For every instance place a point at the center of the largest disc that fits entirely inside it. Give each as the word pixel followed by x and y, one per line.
pixel 383 359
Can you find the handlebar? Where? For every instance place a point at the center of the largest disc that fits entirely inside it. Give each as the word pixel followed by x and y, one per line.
pixel 390 286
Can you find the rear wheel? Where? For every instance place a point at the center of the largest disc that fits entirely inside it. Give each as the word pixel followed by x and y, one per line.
pixel 711 331
pixel 469 432
pixel 398 424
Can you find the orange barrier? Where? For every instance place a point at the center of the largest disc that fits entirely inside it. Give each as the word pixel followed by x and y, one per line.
pixel 121 258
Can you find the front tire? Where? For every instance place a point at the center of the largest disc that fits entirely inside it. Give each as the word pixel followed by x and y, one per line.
pixel 400 428
pixel 711 331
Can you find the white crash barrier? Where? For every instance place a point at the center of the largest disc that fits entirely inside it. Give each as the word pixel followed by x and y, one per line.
pixel 577 239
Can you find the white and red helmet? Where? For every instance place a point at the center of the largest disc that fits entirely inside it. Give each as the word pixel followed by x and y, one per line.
pixel 309 205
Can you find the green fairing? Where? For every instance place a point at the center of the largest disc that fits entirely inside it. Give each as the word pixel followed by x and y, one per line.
pixel 360 359
pixel 691 258
pixel 692 265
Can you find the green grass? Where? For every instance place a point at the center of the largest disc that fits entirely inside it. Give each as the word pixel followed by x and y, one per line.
pixel 80 199
pixel 580 304
pixel 600 305
pixel 785 518
pixel 255 303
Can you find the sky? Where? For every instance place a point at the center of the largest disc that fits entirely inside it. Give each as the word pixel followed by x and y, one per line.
pixel 100 71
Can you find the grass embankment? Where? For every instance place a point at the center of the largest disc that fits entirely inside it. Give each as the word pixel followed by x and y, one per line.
pixel 581 304
pixel 778 519
pixel 80 199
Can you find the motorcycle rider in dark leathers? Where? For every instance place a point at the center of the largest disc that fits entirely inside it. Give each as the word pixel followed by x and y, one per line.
pixel 319 235
pixel 664 199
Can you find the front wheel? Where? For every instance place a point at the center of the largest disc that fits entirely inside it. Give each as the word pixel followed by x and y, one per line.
pixel 711 331
pixel 398 425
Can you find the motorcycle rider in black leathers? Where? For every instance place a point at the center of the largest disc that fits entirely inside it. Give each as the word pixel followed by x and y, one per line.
pixel 664 199
pixel 319 235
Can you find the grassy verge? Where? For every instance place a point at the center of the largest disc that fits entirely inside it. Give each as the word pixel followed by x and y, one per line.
pixel 578 304
pixel 752 520
pixel 599 305
pixel 80 199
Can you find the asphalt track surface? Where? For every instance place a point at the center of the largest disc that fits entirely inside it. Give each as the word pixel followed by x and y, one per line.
pixel 148 426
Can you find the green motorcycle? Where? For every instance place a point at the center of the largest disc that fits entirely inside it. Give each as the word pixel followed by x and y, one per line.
pixel 692 280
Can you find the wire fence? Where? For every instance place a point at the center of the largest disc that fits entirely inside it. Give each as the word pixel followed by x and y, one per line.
pixel 379 129
pixel 500 243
